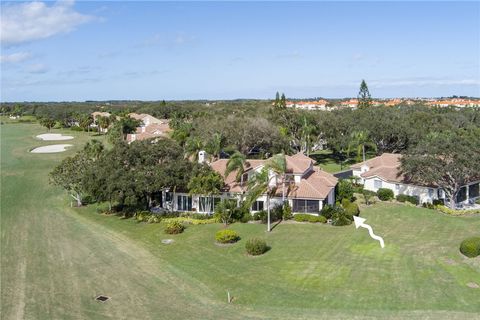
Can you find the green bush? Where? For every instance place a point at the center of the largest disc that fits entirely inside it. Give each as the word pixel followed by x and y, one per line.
pixel 174 227
pixel 476 201
pixel 303 217
pixel 276 213
pixel 187 220
pixel 227 236
pixel 340 217
pixel 327 211
pixel 287 211
pixel 74 128
pixel 260 215
pixel 345 190
pixel 428 205
pixel 470 247
pixel 385 194
pixel 256 246
pixel 447 210
pixel 405 198
pixel 438 202
pixel 352 209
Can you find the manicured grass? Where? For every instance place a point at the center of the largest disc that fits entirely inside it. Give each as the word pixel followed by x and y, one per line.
pixel 56 259
pixel 333 163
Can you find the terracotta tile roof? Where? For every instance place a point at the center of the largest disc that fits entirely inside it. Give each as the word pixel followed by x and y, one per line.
pixel 386 166
pixel 298 163
pixel 232 185
pixel 315 185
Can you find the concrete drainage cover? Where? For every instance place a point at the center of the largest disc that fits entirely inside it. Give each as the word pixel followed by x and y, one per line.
pixel 167 241
pixel 102 298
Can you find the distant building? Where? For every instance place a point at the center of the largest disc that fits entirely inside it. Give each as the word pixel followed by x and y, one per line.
pixel 149 128
pixel 308 105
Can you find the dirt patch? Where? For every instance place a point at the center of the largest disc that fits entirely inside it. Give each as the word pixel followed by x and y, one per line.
pixel 473 285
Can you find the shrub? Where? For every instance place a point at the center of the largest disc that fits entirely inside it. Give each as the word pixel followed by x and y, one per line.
pixel 188 220
pixel 276 213
pixel 74 128
pixel 447 210
pixel 303 217
pixel 406 198
pixel 287 211
pixel 352 209
pixel 142 216
pixel 260 215
pixel 227 236
pixel 428 205
pixel 256 246
pixel 174 227
pixel 385 194
pixel 345 190
pixel 340 217
pixel 470 247
pixel 153 219
pixel 327 211
pixel 476 201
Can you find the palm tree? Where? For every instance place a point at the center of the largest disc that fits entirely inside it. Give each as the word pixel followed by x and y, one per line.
pixel 93 149
pixel 85 122
pixel 278 163
pixel 306 136
pixel 193 146
pixel 103 123
pixel 360 140
pixel 260 184
pixel 236 163
pixel 215 145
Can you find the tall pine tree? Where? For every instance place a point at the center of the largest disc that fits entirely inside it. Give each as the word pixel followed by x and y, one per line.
pixel 283 101
pixel 364 98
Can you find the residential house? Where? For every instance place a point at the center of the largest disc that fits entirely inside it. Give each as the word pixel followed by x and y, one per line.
pixel 96 115
pixel 352 104
pixel 308 105
pixel 384 172
pixel 149 128
pixel 307 188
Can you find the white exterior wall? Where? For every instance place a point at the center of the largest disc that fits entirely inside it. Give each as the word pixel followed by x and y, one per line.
pixel 423 193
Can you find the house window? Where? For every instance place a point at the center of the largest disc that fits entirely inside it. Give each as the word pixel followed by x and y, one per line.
pixel 207 204
pixel 184 203
pixel 397 187
pixel 305 206
pixel 257 206
pixel 377 184
pixel 430 193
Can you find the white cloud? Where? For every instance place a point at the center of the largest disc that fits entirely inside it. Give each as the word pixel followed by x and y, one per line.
pixel 30 21
pixel 15 57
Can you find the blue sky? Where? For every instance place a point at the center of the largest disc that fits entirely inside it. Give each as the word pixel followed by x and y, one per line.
pixel 65 51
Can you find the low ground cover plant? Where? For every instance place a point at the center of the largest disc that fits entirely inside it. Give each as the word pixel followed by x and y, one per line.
pixel 174 227
pixel 227 236
pixel 305 217
pixel 256 246
pixel 470 247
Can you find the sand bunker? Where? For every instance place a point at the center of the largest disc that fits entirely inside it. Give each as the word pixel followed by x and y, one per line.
pixel 51 149
pixel 53 137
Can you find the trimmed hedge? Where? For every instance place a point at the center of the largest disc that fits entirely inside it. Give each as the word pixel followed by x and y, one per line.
pixel 385 194
pixel 303 217
pixel 405 198
pixel 227 236
pixel 193 221
pixel 447 210
pixel 470 247
pixel 256 246
pixel 174 227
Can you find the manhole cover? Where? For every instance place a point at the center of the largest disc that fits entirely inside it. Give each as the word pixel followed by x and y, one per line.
pixel 167 241
pixel 102 298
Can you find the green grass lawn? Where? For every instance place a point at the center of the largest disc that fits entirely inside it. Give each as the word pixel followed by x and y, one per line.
pixel 55 259
pixel 333 163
